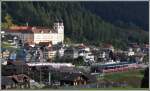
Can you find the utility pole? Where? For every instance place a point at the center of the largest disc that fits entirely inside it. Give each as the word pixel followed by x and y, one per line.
pixel 40 77
pixel 49 78
pixel 22 68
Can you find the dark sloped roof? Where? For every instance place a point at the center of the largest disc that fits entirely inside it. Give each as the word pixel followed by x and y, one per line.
pixel 6 80
pixel 20 77
pixel 70 76
pixel 44 43
pixel 17 63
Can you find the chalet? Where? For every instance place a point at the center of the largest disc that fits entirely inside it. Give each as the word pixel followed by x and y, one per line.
pixel 72 79
pixel 72 76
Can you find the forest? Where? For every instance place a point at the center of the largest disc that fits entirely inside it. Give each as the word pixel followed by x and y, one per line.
pixel 80 23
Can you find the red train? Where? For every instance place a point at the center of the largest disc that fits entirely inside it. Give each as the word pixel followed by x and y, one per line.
pixel 116 67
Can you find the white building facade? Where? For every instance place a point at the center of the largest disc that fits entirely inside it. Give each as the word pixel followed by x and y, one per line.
pixel 55 36
pixel 35 35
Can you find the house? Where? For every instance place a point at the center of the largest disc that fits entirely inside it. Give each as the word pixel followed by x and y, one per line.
pixel 139 58
pixel 49 53
pixel 61 52
pixel 15 67
pixel 35 35
pixel 7 82
pixel 28 57
pixel 72 79
pixel 82 49
pixel 5 54
pixel 131 52
pixel 15 81
pixel 145 48
pixel 135 47
pixel 2 34
pixel 108 47
pixel 89 57
pixel 71 53
pixel 72 76
pixel 102 54
pixel 21 80
pixel 38 55
pixel 13 56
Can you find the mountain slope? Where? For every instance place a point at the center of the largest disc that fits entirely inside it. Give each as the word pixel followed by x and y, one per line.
pixel 129 13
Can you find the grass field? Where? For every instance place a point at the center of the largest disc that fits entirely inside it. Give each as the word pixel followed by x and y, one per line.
pixel 114 88
pixel 132 77
pixel 9 46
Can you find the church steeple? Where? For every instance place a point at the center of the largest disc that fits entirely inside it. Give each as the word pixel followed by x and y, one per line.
pixel 58 25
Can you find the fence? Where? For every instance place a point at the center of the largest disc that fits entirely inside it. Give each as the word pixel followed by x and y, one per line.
pixel 97 85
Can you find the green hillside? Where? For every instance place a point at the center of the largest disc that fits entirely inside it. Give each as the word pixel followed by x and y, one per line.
pixel 80 24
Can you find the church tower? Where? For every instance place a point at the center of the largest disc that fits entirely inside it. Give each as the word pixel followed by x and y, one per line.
pixel 59 28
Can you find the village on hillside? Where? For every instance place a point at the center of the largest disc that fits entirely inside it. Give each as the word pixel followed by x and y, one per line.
pixel 38 58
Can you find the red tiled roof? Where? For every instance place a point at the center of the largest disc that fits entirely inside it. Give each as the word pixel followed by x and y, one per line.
pixel 82 46
pixel 29 29
pixel 107 45
pixel 21 28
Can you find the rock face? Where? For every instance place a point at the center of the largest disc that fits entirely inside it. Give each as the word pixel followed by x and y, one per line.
pixel 145 80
